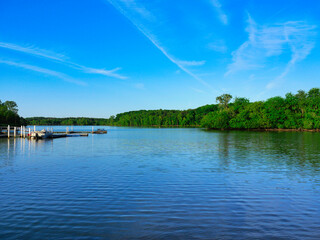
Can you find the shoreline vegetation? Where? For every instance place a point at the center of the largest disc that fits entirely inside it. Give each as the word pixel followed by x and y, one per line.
pixel 294 112
pixel 9 114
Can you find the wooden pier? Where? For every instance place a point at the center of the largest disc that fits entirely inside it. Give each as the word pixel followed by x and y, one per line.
pixel 23 132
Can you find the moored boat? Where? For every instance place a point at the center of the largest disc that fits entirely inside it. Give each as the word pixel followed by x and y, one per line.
pixel 100 131
pixel 41 134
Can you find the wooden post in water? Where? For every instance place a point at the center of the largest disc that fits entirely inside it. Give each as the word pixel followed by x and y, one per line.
pixel 29 132
pixel 15 132
pixel 34 128
pixel 92 129
pixel 24 131
pixel 21 131
pixel 8 131
pixel 67 129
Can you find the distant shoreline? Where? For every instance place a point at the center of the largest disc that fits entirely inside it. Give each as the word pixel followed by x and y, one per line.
pixel 209 129
pixel 294 112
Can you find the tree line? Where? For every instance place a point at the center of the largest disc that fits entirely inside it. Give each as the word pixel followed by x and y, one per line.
pixel 294 111
pixel 66 121
pixel 9 114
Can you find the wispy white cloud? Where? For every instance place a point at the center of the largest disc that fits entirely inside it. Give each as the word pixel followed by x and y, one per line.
pixel 222 16
pixel 57 57
pixel 191 63
pixel 138 8
pixel 218 46
pixel 273 40
pixel 109 73
pixel 136 19
pixel 45 71
pixel 245 57
pixel 34 51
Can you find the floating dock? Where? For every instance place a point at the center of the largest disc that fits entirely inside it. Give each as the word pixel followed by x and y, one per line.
pixel 23 132
pixel 62 135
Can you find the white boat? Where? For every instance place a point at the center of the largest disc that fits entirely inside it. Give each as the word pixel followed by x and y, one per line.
pixel 41 134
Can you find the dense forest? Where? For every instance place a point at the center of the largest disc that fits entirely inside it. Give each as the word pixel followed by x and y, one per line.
pixel 9 114
pixel 67 121
pixel 143 118
pixel 294 111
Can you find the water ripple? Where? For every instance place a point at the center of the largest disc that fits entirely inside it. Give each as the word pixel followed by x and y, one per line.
pixel 162 184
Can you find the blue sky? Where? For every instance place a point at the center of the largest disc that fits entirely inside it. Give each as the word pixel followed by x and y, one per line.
pixel 102 57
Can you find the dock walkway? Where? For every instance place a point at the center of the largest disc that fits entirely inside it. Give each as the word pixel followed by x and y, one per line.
pixel 23 132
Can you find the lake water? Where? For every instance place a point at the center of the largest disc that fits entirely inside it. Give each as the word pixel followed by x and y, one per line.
pixel 136 183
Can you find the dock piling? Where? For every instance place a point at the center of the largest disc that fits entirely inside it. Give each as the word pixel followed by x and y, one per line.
pixel 8 131
pixel 15 132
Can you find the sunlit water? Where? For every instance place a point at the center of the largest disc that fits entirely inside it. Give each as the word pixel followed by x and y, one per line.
pixel 162 184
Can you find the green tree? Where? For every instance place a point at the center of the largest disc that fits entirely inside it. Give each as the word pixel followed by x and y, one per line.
pixel 12 106
pixel 224 100
pixel 216 120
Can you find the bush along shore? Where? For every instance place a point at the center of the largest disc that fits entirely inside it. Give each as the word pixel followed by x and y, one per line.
pixel 294 112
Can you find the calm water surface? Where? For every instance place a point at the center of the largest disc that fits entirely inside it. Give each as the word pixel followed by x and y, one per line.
pixel 162 184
